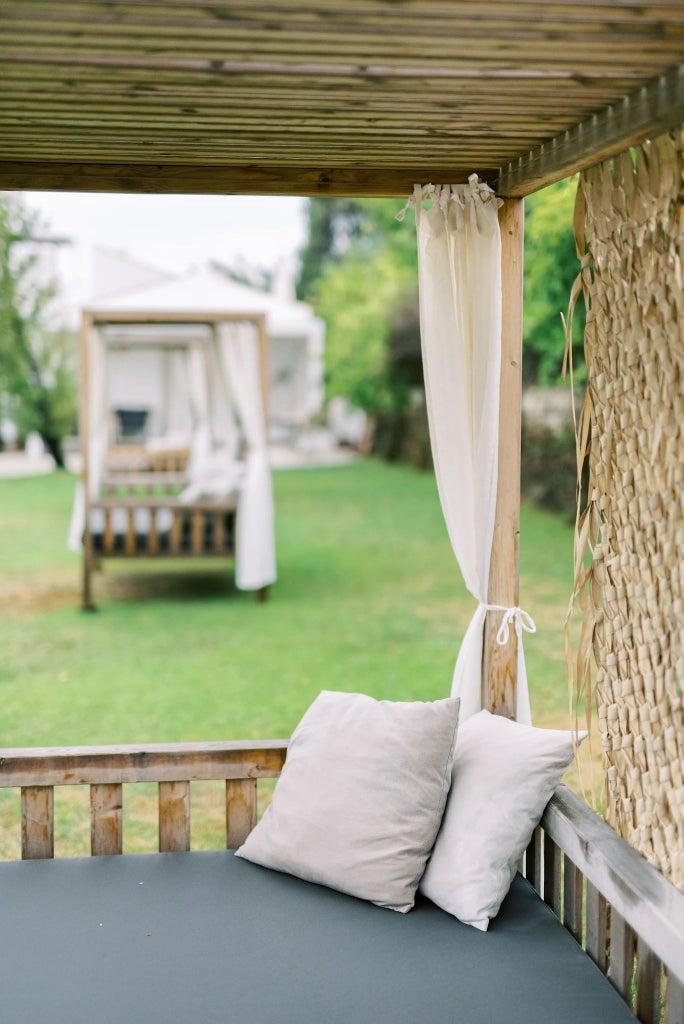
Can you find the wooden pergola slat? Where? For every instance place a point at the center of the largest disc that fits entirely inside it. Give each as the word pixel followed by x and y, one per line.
pixel 656 108
pixel 315 97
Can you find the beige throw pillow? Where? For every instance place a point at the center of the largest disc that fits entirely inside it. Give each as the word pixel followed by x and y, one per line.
pixel 504 774
pixel 361 796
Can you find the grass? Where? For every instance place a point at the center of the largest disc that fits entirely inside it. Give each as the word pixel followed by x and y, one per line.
pixel 369 598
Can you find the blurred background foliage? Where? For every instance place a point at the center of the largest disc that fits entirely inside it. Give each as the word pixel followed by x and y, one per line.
pixel 359 269
pixel 37 358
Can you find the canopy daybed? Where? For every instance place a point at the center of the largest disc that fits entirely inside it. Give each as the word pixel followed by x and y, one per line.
pixel 237 98
pixel 296 337
pixel 198 483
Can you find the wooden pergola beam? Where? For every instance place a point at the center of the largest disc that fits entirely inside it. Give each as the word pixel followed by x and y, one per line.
pixel 500 663
pixel 222 180
pixel 655 108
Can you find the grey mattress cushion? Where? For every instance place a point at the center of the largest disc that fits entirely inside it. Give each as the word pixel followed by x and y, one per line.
pixel 206 937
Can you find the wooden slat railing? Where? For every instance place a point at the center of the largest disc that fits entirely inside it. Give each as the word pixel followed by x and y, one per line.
pixel 197 529
pixel 107 769
pixel 144 483
pixel 126 461
pixel 626 915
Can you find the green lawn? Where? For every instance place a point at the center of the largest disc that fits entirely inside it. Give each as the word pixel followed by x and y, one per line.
pixel 368 598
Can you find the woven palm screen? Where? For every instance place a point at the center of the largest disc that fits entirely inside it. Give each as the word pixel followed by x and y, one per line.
pixel 629 227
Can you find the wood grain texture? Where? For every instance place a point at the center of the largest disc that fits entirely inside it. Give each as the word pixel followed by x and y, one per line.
pixel 241 810
pixel 106 819
pixel 70 766
pixel 190 98
pixel 657 107
pixel 499 670
pixel 622 943
pixel 648 984
pixel 174 817
pixel 553 875
pixel 37 822
pixel 597 927
pixel 141 176
pixel 572 898
pixel 637 893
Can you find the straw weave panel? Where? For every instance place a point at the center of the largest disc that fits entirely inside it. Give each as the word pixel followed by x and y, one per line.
pixel 629 226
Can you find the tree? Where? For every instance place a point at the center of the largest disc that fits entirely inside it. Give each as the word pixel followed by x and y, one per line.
pixel 37 372
pixel 361 274
pixel 334 225
pixel 368 276
pixel 242 272
pixel 551 266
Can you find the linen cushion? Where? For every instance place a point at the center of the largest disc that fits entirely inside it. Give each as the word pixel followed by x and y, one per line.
pixel 361 796
pixel 503 776
pixel 210 939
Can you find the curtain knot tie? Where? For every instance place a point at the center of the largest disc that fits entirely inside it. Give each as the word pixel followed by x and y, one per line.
pixel 521 620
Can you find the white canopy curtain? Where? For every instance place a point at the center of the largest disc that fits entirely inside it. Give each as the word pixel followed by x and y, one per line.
pixel 198 390
pixel 255 564
pixel 459 275
pixel 98 427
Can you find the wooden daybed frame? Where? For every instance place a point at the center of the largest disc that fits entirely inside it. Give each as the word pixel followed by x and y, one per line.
pixel 616 906
pixel 203 528
pixel 360 100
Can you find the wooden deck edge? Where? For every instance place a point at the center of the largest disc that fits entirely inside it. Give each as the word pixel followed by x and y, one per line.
pixel 647 901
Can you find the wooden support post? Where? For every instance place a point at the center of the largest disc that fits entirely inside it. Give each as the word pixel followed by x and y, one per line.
pixel 552 875
pixel 37 823
pixel 597 927
pixel 648 985
pixel 106 819
pixel 621 969
pixel 174 817
pixel 499 670
pixel 241 810
pixel 573 898
pixel 87 592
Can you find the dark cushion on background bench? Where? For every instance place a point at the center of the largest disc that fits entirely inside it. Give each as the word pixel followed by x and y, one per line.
pixel 203 938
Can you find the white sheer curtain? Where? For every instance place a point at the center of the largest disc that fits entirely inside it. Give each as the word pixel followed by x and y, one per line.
pixel 198 391
pixel 98 435
pixel 255 564
pixel 214 469
pixel 222 411
pixel 459 270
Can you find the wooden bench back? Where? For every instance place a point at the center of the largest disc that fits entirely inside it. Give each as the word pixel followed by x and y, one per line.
pixel 106 770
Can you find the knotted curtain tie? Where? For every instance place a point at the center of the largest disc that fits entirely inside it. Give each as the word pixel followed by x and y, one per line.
pixel 521 619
